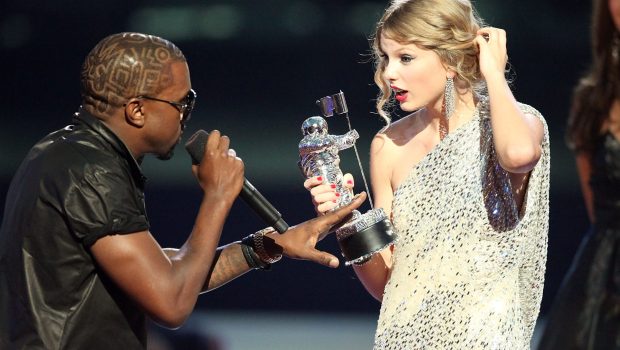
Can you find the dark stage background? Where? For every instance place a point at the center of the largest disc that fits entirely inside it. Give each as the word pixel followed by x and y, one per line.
pixel 258 67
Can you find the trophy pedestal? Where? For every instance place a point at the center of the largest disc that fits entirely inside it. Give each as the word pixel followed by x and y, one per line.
pixel 365 235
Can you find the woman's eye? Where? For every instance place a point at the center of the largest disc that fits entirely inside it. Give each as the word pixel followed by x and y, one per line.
pixel 406 58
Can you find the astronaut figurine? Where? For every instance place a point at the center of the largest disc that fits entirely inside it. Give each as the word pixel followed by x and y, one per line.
pixel 362 235
pixel 318 155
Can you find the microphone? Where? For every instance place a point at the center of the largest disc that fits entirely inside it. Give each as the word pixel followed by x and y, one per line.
pixel 195 146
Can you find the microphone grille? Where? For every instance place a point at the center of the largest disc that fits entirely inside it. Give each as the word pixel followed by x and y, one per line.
pixel 195 146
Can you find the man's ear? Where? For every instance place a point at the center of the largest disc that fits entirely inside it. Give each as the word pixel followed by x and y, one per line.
pixel 134 112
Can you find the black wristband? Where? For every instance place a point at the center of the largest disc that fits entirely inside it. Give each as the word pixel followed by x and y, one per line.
pixel 251 257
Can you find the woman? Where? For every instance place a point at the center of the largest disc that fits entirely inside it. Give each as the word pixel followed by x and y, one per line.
pixel 464 178
pixel 586 312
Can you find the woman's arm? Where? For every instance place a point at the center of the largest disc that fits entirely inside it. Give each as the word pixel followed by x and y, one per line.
pixel 517 136
pixel 584 170
pixel 375 273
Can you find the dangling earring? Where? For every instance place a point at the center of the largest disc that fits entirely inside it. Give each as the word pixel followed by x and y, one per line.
pixel 449 100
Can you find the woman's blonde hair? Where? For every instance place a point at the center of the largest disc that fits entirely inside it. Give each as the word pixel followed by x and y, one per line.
pixel 448 27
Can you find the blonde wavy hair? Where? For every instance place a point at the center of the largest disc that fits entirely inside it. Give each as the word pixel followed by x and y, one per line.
pixel 448 27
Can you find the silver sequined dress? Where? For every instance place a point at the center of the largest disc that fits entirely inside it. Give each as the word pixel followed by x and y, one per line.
pixel 468 268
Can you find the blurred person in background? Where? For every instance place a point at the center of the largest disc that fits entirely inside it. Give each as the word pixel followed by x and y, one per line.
pixel 586 311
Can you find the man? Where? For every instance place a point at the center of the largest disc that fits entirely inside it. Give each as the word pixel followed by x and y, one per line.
pixel 79 268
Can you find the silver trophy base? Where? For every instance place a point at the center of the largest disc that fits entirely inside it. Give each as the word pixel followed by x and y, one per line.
pixel 365 235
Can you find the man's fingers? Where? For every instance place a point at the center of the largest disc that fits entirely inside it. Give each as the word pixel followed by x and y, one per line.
pixel 224 145
pixel 216 142
pixel 337 216
pixel 323 258
pixel 355 203
pixel 213 140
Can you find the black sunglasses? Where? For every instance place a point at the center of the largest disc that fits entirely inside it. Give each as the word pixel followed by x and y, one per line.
pixel 185 108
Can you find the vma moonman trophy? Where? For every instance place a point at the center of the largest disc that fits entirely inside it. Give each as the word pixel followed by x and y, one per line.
pixel 363 234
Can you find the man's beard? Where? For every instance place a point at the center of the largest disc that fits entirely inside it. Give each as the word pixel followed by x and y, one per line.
pixel 168 155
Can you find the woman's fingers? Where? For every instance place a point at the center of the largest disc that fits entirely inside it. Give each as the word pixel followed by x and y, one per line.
pixel 312 182
pixel 325 207
pixel 347 180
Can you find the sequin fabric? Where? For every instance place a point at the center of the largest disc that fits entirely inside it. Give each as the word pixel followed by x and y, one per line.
pixel 468 268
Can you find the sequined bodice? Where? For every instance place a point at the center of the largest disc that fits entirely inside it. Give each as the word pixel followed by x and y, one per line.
pixel 605 181
pixel 468 271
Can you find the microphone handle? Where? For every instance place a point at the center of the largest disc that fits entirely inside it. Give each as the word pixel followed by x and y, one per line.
pixel 262 207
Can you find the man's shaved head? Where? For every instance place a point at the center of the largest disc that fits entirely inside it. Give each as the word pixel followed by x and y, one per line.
pixel 123 66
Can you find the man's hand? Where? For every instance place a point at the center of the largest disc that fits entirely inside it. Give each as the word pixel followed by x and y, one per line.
pixel 299 241
pixel 220 172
